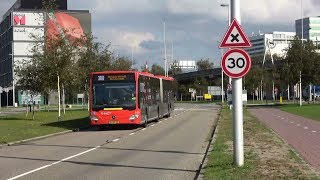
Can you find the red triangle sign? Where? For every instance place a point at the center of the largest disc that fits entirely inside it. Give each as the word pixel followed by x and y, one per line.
pixel 235 37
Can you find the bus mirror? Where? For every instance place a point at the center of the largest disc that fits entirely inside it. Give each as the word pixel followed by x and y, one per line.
pixel 141 87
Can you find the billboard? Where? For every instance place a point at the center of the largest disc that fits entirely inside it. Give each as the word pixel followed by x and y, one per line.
pixel 31 26
pixel 73 23
pixel 27 19
pixel 68 25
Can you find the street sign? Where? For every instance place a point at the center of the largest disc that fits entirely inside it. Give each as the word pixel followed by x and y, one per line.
pixel 235 37
pixel 236 63
pixel 6 90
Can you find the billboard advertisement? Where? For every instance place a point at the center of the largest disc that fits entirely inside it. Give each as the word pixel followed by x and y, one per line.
pixel 69 24
pixel 27 19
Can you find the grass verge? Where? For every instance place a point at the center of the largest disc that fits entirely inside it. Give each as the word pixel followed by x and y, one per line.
pixel 266 155
pixel 19 127
pixel 307 110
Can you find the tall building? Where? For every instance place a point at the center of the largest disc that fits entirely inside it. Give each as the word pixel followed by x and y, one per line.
pixel 24 21
pixel 310 27
pixel 274 43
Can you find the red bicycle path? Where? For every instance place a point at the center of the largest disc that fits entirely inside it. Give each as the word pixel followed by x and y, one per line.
pixel 301 133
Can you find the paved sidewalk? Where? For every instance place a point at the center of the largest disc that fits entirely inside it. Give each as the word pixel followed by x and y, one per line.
pixel 301 133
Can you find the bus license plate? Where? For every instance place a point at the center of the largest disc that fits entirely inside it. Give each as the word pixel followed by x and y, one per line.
pixel 113 122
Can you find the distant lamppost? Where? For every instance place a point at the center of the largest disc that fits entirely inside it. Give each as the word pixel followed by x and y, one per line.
pixel 13 81
pixel 227 5
pixel 1 89
pixel 229 22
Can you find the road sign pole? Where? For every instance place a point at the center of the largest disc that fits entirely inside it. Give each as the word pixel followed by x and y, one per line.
pixel 238 150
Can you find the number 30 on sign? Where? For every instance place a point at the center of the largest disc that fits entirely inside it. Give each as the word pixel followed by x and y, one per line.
pixel 236 63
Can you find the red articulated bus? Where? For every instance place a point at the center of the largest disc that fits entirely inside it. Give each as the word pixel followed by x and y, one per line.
pixel 129 97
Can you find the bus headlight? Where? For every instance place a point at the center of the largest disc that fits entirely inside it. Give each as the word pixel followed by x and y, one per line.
pixel 133 117
pixel 93 118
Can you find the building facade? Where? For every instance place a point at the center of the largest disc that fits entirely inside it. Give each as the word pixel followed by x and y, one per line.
pixel 21 28
pixel 271 43
pixel 310 27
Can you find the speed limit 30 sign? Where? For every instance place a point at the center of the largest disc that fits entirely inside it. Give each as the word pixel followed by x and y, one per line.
pixel 236 63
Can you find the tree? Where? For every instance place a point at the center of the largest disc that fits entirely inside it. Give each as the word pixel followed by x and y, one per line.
pixel 157 69
pixel 175 69
pixel 204 64
pixel 121 64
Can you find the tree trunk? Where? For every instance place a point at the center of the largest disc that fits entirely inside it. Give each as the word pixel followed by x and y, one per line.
pixel 59 108
pixel 63 100
pixel 33 104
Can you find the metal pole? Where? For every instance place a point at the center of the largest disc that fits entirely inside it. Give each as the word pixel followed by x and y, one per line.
pixel 222 88
pixel 237 101
pixel 132 56
pixel 229 22
pixel 13 81
pixel 310 96
pixel 300 94
pixel 314 92
pixel 59 108
pixel 288 92
pixel 7 90
pixel 301 21
pixel 273 96
pixel 165 48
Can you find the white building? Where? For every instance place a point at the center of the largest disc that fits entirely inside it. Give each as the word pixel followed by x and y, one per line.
pixel 18 28
pixel 311 28
pixel 272 43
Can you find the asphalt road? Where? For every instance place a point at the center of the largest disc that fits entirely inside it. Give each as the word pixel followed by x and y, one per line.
pixel 170 149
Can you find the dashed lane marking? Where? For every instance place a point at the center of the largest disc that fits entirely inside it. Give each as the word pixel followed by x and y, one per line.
pixel 115 140
pixel 131 134
pixel 57 162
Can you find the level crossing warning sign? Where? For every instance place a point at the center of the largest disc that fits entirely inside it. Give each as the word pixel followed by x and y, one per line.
pixel 235 37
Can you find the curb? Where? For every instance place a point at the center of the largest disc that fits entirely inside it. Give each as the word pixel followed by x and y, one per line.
pixel 203 165
pixel 43 137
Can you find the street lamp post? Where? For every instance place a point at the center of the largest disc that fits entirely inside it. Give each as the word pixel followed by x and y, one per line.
pixel 13 81
pixel 1 89
pixel 229 21
pixel 165 48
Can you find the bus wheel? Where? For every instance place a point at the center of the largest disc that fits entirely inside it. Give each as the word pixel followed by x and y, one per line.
pixel 101 127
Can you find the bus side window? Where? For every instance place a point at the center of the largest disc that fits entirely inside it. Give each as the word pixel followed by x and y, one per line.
pixel 141 87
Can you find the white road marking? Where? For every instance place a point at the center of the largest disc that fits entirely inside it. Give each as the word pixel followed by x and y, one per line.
pixel 131 134
pixel 291 122
pixel 314 131
pixel 57 162
pixel 170 117
pixel 143 129
pixel 116 140
pixel 306 128
pixel 152 125
pixel 298 124
pixel 279 116
pixel 283 118
pixel 160 122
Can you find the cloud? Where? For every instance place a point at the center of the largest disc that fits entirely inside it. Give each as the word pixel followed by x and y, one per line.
pixel 151 44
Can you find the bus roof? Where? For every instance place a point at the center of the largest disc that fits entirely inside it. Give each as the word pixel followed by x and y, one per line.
pixel 136 72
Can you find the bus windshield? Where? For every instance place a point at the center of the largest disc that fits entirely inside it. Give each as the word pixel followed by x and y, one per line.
pixel 114 95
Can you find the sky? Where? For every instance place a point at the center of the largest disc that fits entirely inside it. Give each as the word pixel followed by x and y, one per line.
pixel 193 27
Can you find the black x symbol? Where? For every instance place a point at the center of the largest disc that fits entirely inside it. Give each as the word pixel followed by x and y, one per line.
pixel 235 37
